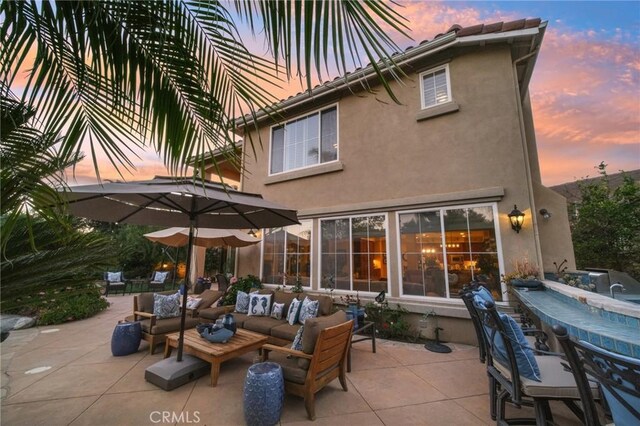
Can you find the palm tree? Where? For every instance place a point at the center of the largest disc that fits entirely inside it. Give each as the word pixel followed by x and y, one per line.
pixel 174 75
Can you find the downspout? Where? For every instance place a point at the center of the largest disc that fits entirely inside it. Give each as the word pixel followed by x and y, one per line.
pixel 525 151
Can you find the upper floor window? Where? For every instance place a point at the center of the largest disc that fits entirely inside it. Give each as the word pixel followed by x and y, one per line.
pixel 304 142
pixel 435 86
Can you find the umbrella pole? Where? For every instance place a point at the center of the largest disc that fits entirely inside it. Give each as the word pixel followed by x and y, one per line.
pixel 183 317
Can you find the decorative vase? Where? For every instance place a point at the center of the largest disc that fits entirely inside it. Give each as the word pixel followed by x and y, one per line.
pixel 126 338
pixel 229 322
pixel 263 394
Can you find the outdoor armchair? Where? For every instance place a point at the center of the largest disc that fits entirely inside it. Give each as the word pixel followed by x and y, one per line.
pixel 158 280
pixel 115 282
pixel 321 360
pixel 617 375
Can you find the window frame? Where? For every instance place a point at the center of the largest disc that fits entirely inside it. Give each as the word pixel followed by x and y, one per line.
pixel 319 250
pixel 433 71
pixel 318 112
pixel 311 254
pixel 441 209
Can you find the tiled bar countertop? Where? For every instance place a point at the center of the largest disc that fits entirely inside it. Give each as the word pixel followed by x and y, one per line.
pixel 611 330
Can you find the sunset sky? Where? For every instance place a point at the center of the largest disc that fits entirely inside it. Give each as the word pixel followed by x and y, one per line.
pixel 585 88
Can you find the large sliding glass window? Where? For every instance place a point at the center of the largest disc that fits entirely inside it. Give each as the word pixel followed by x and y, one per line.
pixel 305 142
pixel 354 253
pixel 444 249
pixel 286 252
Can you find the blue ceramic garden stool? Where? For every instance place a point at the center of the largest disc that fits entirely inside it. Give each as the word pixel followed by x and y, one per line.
pixel 263 394
pixel 126 338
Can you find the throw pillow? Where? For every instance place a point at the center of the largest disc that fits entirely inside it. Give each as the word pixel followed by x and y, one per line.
pixel 313 327
pixel 525 357
pixel 309 309
pixel 484 294
pixel 114 277
pixel 277 310
pixel 294 311
pixel 193 302
pixel 259 304
pixel 242 302
pixel 166 306
pixel 297 341
pixel 160 276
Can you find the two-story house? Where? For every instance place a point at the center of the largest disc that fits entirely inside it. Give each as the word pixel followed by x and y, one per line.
pixel 414 198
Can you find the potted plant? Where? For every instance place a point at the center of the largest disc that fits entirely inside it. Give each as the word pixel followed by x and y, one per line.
pixel 525 274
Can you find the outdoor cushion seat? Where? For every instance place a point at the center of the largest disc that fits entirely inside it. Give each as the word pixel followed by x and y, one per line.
pixel 261 325
pixel 292 372
pixel 325 303
pixel 556 382
pixel 285 331
pixel 240 318
pixel 167 325
pixel 213 313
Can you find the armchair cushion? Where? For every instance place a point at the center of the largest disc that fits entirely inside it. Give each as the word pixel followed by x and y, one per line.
pixel 285 331
pixel 556 381
pixel 166 306
pixel 312 329
pixel 167 325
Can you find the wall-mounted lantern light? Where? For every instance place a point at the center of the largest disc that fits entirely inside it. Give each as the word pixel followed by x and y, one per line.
pixel 516 217
pixel 545 213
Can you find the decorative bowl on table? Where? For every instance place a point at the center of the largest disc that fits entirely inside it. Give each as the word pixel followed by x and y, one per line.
pixel 219 336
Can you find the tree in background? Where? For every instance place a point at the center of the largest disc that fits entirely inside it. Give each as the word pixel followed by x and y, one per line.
pixel 606 228
pixel 174 75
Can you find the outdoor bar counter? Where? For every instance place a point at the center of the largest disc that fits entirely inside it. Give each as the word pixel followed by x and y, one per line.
pixel 603 321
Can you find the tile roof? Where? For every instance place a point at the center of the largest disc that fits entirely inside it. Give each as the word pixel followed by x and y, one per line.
pixel 496 27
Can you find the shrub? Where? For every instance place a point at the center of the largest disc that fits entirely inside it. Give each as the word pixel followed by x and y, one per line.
pixel 246 284
pixel 391 323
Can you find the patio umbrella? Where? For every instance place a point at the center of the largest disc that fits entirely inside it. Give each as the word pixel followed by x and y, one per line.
pixel 202 237
pixel 171 201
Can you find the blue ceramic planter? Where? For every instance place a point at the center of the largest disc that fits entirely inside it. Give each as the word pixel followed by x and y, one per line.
pixel 263 394
pixel 126 338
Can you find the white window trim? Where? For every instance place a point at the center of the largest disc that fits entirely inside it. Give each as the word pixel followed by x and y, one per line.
pixel 311 256
pixel 431 71
pixel 297 117
pixel 494 208
pixel 319 251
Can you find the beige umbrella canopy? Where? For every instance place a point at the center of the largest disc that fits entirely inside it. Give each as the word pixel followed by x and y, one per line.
pixel 202 237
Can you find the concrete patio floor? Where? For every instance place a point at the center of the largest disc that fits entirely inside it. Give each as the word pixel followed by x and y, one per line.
pixel 66 375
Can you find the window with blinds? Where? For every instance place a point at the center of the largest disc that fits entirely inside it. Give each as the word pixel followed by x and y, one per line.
pixel 435 86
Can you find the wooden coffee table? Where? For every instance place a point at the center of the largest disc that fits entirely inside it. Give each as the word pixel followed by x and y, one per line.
pixel 216 353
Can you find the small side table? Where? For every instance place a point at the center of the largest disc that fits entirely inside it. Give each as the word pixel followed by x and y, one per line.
pixel 366 326
pixel 126 338
pixel 263 394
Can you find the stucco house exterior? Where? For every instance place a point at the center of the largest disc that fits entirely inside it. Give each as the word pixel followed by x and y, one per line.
pixel 414 198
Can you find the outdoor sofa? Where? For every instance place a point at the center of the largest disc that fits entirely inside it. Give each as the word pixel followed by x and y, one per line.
pixel 279 331
pixel 155 330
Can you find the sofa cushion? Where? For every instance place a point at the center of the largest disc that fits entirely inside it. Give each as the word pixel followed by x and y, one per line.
pixel 260 305
pixel 261 325
pixel 326 303
pixel 285 331
pixel 145 301
pixel 212 313
pixel 312 329
pixel 240 318
pixel 167 325
pixel 277 311
pixel 286 298
pixel 166 306
pixel 208 298
pixel 294 311
pixel 308 310
pixel 242 302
